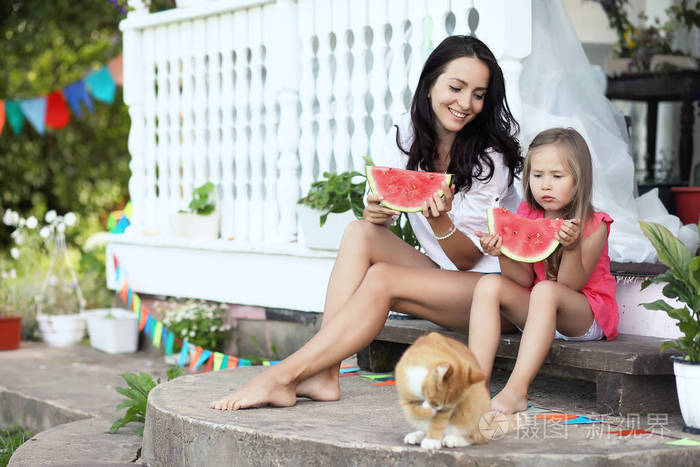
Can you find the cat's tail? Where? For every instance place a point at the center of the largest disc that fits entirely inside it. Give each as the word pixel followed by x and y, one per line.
pixel 495 425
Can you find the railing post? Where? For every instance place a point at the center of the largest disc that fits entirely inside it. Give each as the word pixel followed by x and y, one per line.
pixel 506 27
pixel 286 72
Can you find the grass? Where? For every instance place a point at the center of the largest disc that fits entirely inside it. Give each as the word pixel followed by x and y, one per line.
pixel 10 439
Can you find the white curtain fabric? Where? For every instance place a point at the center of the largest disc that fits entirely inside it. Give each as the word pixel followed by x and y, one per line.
pixel 560 88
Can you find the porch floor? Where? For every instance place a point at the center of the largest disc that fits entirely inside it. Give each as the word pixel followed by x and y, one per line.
pixel 72 391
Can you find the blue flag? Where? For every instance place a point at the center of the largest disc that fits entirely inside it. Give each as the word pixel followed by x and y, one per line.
pixel 75 94
pixel 35 111
pixel 101 85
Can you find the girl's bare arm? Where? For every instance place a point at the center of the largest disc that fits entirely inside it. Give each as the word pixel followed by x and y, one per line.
pixel 580 257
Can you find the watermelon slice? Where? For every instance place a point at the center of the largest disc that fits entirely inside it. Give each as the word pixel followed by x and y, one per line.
pixel 525 240
pixel 405 190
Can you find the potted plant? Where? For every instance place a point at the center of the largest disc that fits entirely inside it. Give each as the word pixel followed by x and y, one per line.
pixel 682 287
pixel 200 220
pixel 113 330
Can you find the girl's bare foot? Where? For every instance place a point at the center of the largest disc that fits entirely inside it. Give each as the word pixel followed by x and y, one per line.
pixel 508 401
pixel 264 389
pixel 322 386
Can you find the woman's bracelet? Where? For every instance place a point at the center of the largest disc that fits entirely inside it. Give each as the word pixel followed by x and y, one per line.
pixel 449 233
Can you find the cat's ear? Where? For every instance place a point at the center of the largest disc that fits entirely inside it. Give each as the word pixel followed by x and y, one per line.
pixel 443 371
pixel 475 375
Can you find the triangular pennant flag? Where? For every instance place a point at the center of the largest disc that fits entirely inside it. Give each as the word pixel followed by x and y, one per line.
pixel 210 363
pixel 101 85
pixel 169 343
pixel 35 111
pixel 195 358
pixel 136 303
pixel 203 357
pixel 143 318
pixel 244 362
pixel 75 94
pixel 116 262
pixel 634 432
pixel 556 417
pixel 124 293
pixel 580 420
pixel 224 362
pixel 157 334
pixel 14 116
pixel 218 358
pixel 2 115
pixel 57 115
pixel 231 361
pixel 149 327
pixel 349 370
pixel 183 354
pixel 116 69
pixel 380 376
pixel 684 442
pixel 129 297
pixel 389 382
pixel 266 363
pixel 117 273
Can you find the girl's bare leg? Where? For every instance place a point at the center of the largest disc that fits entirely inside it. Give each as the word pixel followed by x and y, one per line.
pixel 439 296
pixel 552 306
pixel 493 292
pixel 363 244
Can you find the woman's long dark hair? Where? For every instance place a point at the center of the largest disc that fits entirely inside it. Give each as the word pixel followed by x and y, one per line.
pixel 494 127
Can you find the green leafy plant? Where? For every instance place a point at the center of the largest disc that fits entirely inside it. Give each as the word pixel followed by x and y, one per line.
pixel 201 202
pixel 200 323
pixel 682 281
pixel 11 438
pixel 137 396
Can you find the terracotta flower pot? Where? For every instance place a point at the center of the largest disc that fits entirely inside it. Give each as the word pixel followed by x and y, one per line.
pixel 10 332
pixel 687 203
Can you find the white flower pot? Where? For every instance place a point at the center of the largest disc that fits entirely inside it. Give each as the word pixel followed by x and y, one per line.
pixel 195 227
pixel 327 237
pixel 61 330
pixel 118 334
pixel 688 387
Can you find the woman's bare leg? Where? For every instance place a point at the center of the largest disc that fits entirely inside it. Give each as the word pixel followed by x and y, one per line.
pixel 439 296
pixel 363 244
pixel 493 292
pixel 551 306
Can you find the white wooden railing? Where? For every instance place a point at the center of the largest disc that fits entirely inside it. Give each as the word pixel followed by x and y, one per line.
pixel 260 97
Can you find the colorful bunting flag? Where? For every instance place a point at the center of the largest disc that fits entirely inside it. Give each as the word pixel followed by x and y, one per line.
pixel 116 69
pixel 637 431
pixel 75 94
pixel 136 303
pixel 2 115
pixel 183 354
pixel 14 116
pixel 57 115
pixel 231 361
pixel 684 442
pixel 101 85
pixel 210 363
pixel 224 362
pixel 158 334
pixel 169 343
pixel 143 319
pixel 218 359
pixel 557 417
pixel 244 362
pixel 581 420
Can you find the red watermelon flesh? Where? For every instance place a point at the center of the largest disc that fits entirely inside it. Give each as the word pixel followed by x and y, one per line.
pixel 526 240
pixel 405 190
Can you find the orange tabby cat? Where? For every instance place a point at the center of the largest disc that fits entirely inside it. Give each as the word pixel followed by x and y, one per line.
pixel 443 394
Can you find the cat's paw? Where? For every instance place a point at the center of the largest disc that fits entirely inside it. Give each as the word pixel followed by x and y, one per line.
pixel 454 441
pixel 429 443
pixel 414 437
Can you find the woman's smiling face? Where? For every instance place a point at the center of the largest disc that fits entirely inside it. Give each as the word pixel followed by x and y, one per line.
pixel 458 94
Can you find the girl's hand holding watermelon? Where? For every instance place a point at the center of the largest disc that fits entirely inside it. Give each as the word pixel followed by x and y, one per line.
pixel 376 213
pixel 569 234
pixel 490 243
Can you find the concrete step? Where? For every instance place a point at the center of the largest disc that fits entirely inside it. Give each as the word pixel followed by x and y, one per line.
pixel 366 428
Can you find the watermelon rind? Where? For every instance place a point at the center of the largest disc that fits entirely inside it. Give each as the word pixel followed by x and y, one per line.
pixel 512 255
pixel 396 207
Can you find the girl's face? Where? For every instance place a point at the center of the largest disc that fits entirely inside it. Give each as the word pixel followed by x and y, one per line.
pixel 551 181
pixel 458 94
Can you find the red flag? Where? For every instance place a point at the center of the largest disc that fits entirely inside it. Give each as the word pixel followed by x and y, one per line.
pixel 116 69
pixel 210 363
pixel 2 115
pixel 195 358
pixel 57 115
pixel 144 318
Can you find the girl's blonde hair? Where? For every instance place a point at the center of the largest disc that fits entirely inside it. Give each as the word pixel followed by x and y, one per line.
pixel 577 158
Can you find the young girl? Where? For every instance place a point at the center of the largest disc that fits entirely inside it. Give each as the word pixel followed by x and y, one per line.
pixel 459 123
pixel 571 294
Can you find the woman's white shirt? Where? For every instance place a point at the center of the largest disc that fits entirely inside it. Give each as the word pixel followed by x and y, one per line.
pixel 468 211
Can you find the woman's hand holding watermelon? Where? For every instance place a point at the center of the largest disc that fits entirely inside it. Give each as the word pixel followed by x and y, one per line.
pixel 569 234
pixel 376 213
pixel 440 202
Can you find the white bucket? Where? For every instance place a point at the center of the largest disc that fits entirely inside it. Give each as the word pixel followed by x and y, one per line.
pixel 688 387
pixel 61 330
pixel 118 333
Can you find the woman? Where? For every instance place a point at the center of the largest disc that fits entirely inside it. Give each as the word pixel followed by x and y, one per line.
pixel 459 123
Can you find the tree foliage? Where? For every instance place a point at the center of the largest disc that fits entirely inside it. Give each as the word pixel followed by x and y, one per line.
pixel 84 166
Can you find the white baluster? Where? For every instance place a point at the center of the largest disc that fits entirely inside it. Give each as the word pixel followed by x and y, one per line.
pixel 324 86
pixel 359 88
pixel 133 98
pixel 174 122
pixel 378 75
pixel 288 130
pixel 200 102
pixel 213 154
pixel 227 107
pixel 150 222
pixel 256 143
pixel 187 109
pixel 307 94
pixel 341 90
pixel 398 73
pixel 270 91
pixel 240 31
pixel 162 145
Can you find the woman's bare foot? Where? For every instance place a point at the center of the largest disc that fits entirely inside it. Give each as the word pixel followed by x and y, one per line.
pixel 322 386
pixel 508 402
pixel 264 389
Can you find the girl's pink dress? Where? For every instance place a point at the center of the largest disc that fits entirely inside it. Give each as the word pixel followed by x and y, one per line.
pixel 600 288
